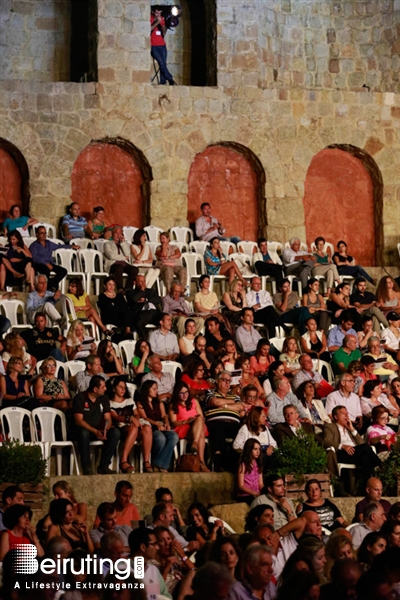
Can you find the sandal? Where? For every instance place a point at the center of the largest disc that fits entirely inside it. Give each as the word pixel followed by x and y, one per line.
pixel 204 468
pixel 147 467
pixel 128 469
pixel 193 448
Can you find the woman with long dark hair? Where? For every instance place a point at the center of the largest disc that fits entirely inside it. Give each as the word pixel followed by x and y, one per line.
pixel 17 263
pixel 62 516
pixel 250 477
pixel 97 227
pixel 111 363
pixel 143 257
pixel 200 529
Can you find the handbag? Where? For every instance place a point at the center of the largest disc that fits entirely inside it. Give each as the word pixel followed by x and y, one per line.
pixel 189 463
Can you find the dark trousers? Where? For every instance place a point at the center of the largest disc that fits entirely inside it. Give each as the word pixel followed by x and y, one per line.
pixel 84 437
pixel 219 432
pixel 356 271
pixel 269 317
pixel 145 317
pixel 298 316
pixel 159 53
pixel 274 271
pixel 117 270
pixel 54 280
pixel 365 459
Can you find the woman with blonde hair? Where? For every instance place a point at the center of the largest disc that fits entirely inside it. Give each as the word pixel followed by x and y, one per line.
pixel 14 345
pixel 169 262
pixel 234 300
pixel 81 301
pixel 49 390
pixel 290 356
pixel 338 547
pixel 79 345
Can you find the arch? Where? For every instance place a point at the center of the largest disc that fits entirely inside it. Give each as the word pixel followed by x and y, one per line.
pixel 343 198
pixel 113 173
pixel 232 178
pixel 14 179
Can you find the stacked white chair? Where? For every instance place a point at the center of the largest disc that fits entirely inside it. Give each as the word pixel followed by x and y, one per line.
pixel 44 419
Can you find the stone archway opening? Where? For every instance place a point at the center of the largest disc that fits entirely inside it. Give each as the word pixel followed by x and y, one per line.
pixel 343 198
pixel 14 179
pixel 113 173
pixel 232 179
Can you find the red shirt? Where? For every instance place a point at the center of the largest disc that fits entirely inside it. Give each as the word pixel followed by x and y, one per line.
pixel 124 517
pixel 156 37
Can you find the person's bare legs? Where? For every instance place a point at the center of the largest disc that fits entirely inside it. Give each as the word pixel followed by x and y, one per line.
pixel 2 277
pixel 147 441
pixel 30 276
pixel 130 439
pixel 230 270
pixel 94 317
pixel 197 433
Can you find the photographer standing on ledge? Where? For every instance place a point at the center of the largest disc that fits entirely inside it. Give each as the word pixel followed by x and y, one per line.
pixel 158 46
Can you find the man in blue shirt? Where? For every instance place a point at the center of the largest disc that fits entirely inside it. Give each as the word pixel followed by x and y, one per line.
pixel 42 260
pixel 336 335
pixel 73 225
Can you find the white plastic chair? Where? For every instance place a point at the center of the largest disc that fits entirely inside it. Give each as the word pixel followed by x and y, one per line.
pixel 194 263
pixel 153 233
pixel 181 234
pixel 131 387
pixel 247 247
pixel 243 258
pixel 99 245
pixel 3 240
pixel 59 365
pixel 127 350
pixel 171 366
pixel 183 246
pixel 83 243
pixel 273 249
pixel 69 260
pixel 73 367
pixel 129 232
pixel 91 263
pixel 199 246
pixel 30 239
pixel 320 365
pixel 277 342
pixel 9 308
pixel 68 311
pixel 227 527
pixel 298 282
pixel 50 229
pixel 45 433
pixel 14 416
pixel 226 247
pixel 153 247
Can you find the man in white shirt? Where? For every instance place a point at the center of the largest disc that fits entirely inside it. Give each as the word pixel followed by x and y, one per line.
pixel 165 381
pixel 374 518
pixel 345 396
pixel 246 335
pixel 298 262
pixel 163 342
pixel 208 227
pixel 261 302
pixel 143 543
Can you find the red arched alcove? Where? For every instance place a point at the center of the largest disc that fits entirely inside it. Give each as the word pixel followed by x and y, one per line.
pixel 226 179
pixel 106 175
pixel 339 203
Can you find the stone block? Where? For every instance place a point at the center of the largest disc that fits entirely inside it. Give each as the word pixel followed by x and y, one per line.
pixel 334 65
pixel 233 514
pixel 76 139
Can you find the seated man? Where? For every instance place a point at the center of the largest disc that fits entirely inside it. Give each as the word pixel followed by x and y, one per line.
pixel 265 265
pixel 246 335
pixel 385 366
pixel 93 422
pixel 322 387
pixel 107 515
pixel 143 543
pixel 291 427
pixel 275 496
pixel 10 496
pixel 199 353
pixel 41 340
pixel 367 303
pixel 345 396
pixel 165 381
pixel 374 518
pixel 286 304
pixel 164 494
pixel 345 354
pixel 42 259
pixel 390 335
pixel 163 342
pixel 118 255
pixel 257 575
pixel 174 304
pixel 144 305
pixel 208 227
pixel 373 493
pixel 43 301
pixel 298 262
pixel 93 367
pixel 345 445
pixel 73 225
pixel 163 515
pixel 126 511
pixel 337 333
pixel 261 303
pixel 214 335
pixel 280 397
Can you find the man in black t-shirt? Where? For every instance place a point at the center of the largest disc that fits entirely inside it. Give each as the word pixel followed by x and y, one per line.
pixel 41 340
pixel 368 304
pixel 93 420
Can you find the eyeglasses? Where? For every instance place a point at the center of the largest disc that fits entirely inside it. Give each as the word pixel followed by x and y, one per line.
pixel 225 379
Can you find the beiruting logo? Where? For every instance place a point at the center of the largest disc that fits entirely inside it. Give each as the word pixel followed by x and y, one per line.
pixel 25 563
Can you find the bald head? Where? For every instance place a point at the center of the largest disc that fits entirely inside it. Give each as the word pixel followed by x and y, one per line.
pixel 374 489
pixel 313 524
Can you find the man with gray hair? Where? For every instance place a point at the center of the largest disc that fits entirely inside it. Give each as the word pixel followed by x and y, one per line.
pixel 257 577
pixel 165 381
pixel 280 397
pixel 111 547
pixel 298 262
pixel 117 254
pixel 374 518
pixel 42 300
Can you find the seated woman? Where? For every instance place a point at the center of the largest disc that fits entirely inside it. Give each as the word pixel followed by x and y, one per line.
pixel 247 378
pixel 354 368
pixel 216 263
pixel 395 390
pixel 226 551
pixel 62 489
pixel 385 365
pixel 17 263
pixel 14 387
pixel 366 332
pixel 315 408
pixel 152 410
pixel 17 222
pixel 313 342
pixel 207 303
pixel 139 364
pixel 379 434
pixel 229 354
pixel 187 419
pixel 113 307
pixel 234 300
pixel 143 257
pixel 324 265
pixel 373 396
pixel 290 356
pixel 367 372
pixel 388 294
pixel 62 517
pixel 97 227
pixel 338 301
pixel 315 303
pixel 171 559
pixel 169 262
pixel 250 472
pixel 372 545
pixel 125 415
pixel 262 359
pixel 79 345
pixel 193 377
pixel 256 427
pixel 346 264
pixel 18 530
pixel 14 345
pixel 82 305
pixel 328 513
pixel 110 362
pixel 49 390
pixel 186 342
pixel 276 369
pixel 391 335
pixel 200 529
pixel 337 548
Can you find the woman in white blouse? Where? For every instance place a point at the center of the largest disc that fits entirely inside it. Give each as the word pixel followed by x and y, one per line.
pixel 143 257
pixel 255 427
pixel 373 396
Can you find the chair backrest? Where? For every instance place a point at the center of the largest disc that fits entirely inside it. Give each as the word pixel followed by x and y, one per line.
pixel 129 232
pixel 67 259
pixel 194 263
pixel 13 417
pixel 247 247
pixel 226 247
pixel 30 239
pixel 91 261
pixel 50 229
pixel 83 243
pixel 131 389
pixel 181 234
pixel 44 419
pixel 127 349
pixel 153 233
pixel 274 250
pixel 153 247
pixel 67 308
pixel 99 245
pixel 199 246
pixel 324 368
pixel 240 256
pixel 74 367
pixel 59 365
pixel 227 527
pixel 325 248
pixel 303 246
pixel 3 240
pixel 171 366
pixel 183 246
pixel 277 342
pixel 10 310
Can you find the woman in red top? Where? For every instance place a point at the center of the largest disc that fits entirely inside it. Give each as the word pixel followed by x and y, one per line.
pixel 260 362
pixel 193 376
pixel 17 520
